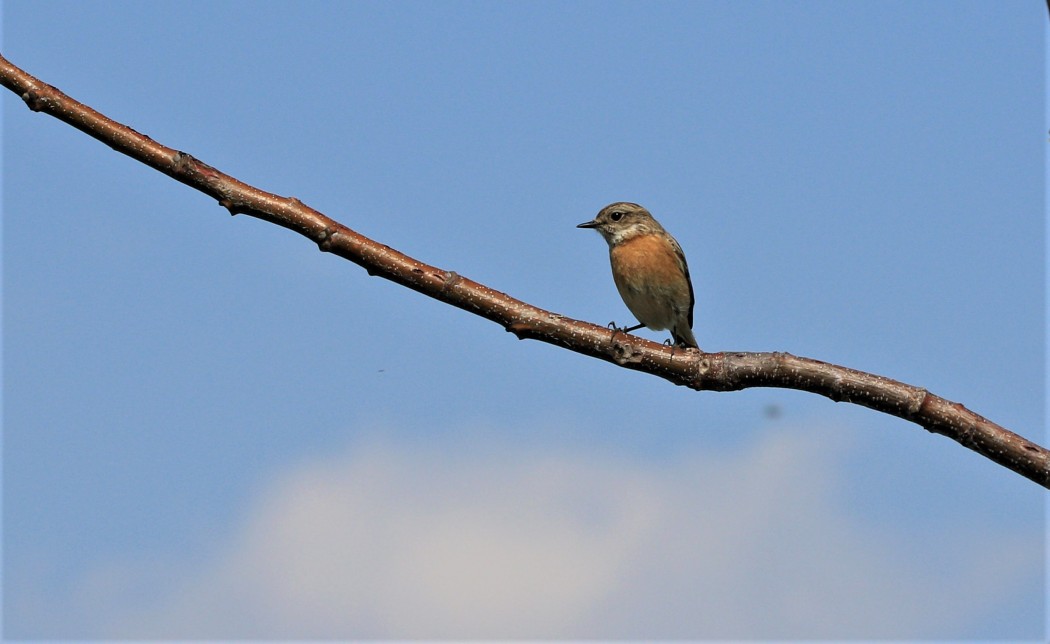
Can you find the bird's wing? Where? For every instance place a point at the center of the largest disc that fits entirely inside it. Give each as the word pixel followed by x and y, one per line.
pixel 685 269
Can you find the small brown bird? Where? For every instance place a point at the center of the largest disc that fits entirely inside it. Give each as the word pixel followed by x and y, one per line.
pixel 649 269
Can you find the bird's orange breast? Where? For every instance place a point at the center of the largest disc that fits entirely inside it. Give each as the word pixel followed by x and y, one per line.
pixel 646 262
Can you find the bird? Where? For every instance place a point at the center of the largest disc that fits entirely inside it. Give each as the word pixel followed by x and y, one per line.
pixel 649 270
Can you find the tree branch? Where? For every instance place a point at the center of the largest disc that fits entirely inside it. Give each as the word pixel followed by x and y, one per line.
pixel 700 371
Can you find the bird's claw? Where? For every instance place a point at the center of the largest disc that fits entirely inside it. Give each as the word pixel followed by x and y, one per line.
pixel 673 345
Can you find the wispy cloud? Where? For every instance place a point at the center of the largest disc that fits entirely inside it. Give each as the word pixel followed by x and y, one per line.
pixel 387 540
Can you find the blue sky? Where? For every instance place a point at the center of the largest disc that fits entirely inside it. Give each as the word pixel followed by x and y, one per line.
pixel 213 430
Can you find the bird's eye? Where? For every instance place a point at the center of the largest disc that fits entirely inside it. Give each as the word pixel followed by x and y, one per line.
pixel 616 216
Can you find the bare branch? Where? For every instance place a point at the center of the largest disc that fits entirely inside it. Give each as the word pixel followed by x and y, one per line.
pixel 693 369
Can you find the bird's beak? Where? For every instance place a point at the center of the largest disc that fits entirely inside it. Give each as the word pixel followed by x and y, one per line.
pixel 589 224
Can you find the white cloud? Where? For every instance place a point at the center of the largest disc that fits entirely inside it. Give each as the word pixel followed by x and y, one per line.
pixel 391 541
